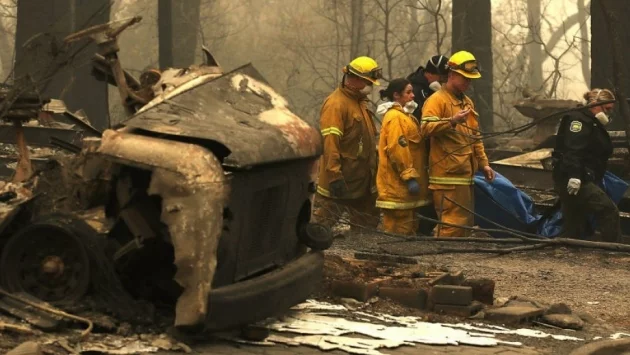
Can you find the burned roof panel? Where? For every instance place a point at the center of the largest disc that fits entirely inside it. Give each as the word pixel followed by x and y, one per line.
pixel 238 110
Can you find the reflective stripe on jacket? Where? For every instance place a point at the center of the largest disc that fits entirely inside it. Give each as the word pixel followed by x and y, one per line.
pixel 456 153
pixel 349 144
pixel 401 156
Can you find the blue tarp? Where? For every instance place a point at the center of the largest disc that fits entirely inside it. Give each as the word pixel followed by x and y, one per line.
pixel 504 204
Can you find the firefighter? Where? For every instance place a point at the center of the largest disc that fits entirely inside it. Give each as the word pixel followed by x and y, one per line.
pixel 456 150
pixel 401 178
pixel 427 80
pixel 583 147
pixel 347 169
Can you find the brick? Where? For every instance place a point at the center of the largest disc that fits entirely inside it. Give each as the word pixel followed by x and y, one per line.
pixel 459 311
pixel 513 314
pixel 453 295
pixel 359 290
pixel 410 297
pixel 483 290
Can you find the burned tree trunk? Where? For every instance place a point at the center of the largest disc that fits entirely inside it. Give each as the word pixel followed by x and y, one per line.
pixel 534 47
pixel 6 56
pixel 178 28
pixel 584 43
pixel 472 25
pixel 41 26
pixel 356 38
pixel 602 70
pixel 610 11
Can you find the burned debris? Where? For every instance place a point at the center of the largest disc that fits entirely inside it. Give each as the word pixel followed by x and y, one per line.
pixel 151 223
pixel 403 289
pixel 195 212
pixel 19 110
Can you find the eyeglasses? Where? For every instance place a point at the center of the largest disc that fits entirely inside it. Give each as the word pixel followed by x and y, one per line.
pixel 469 67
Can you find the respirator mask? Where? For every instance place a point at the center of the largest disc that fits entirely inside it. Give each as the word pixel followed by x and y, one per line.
pixel 435 86
pixel 410 106
pixel 367 90
pixel 603 118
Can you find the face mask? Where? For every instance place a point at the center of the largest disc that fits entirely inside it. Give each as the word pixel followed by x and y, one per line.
pixel 366 90
pixel 603 118
pixel 435 86
pixel 410 106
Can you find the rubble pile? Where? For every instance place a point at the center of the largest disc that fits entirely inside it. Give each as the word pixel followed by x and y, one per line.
pixel 332 327
pixel 519 309
pixel 443 292
pixel 78 329
pixel 434 294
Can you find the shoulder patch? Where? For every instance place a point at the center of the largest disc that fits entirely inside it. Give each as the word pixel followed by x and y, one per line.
pixel 576 126
pixel 402 141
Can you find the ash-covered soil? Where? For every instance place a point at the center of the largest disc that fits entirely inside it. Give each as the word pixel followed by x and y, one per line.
pixel 592 282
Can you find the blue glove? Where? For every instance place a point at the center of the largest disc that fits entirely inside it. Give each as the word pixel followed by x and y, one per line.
pixel 413 187
pixel 338 188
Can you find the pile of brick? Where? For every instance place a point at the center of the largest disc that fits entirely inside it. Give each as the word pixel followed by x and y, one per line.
pixel 404 282
pixel 442 292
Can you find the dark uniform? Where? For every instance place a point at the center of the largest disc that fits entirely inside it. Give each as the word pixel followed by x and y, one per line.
pixel 421 89
pixel 583 147
pixel 421 92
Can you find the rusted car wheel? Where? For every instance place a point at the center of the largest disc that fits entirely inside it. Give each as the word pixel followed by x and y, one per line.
pixel 46 260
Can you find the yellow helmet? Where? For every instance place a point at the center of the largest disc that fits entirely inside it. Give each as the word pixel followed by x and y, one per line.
pixel 465 64
pixel 365 68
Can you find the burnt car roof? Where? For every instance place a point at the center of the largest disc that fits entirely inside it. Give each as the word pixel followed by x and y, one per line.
pixel 237 109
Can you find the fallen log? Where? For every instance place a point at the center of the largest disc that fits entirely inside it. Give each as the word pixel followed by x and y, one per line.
pixel 589 244
pixel 411 239
pixel 498 251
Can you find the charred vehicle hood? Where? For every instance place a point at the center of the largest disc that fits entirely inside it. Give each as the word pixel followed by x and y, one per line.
pixel 238 110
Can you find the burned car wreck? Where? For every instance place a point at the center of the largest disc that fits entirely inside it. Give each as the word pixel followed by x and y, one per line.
pixel 201 199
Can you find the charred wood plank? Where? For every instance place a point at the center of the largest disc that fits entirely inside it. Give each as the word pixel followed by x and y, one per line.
pixel 40 136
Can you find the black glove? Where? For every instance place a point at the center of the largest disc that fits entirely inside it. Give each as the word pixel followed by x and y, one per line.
pixel 413 187
pixel 337 188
